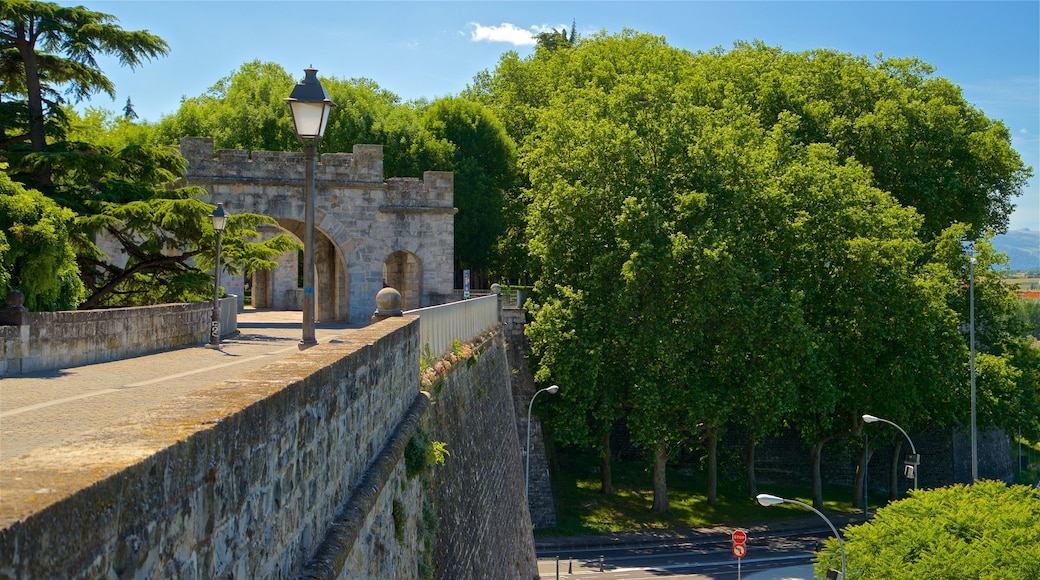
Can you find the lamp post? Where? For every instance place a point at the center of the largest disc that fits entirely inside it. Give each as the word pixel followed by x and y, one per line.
pixel 310 106
pixel 220 219
pixel 768 500
pixel 527 472
pixel 916 457
pixel 971 340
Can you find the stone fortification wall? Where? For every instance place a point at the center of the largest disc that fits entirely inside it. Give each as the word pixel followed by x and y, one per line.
pixel 241 479
pixel 296 470
pixel 41 341
pixel 485 528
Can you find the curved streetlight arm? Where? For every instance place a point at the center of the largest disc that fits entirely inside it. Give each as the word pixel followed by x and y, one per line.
pixel 917 458
pixel 527 470
pixel 768 500
pixel 873 419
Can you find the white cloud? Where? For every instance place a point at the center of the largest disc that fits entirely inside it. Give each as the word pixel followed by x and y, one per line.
pixel 504 32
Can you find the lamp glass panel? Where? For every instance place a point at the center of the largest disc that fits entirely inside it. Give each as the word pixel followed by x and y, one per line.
pixel 309 117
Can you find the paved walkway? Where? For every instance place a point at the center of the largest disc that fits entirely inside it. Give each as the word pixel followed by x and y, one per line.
pixel 56 407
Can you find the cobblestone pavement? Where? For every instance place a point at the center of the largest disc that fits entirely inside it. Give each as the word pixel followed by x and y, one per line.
pixel 55 407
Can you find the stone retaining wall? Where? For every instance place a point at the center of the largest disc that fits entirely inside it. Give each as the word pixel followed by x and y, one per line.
pixel 485 528
pixel 295 470
pixel 42 341
pixel 241 479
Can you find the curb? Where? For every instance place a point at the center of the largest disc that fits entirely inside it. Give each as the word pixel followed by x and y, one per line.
pixel 705 535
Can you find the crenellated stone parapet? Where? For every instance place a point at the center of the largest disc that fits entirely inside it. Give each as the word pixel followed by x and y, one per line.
pixel 364 165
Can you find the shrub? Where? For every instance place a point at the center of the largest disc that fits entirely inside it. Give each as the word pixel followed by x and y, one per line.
pixel 985 530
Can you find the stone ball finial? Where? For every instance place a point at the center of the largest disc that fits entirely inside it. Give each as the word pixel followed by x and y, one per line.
pixel 15 299
pixel 388 303
pixel 388 299
pixel 496 288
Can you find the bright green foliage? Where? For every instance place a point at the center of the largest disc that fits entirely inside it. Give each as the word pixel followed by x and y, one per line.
pixel 727 234
pixel 462 136
pixel 987 530
pixel 36 255
pixel 47 48
pixel 244 110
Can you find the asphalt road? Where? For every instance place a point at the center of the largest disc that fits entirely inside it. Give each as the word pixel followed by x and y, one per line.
pixel 771 555
pixel 51 408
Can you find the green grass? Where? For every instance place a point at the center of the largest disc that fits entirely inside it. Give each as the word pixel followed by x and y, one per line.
pixel 1032 451
pixel 582 509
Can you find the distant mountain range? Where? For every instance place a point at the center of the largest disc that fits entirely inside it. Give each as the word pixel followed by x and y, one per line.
pixel 1022 248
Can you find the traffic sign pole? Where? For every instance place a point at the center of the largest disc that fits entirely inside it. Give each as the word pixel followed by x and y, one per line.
pixel 739 549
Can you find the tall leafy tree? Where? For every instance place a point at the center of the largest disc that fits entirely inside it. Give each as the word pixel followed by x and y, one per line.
pixel 745 182
pixel 115 184
pixel 483 158
pixel 47 48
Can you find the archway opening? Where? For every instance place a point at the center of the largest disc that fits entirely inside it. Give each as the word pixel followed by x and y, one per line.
pixel 403 272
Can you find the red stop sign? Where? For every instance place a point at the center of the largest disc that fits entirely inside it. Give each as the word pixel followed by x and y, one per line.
pixel 739 536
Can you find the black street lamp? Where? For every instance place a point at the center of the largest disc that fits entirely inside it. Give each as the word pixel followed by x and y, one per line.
pixel 220 219
pixel 310 106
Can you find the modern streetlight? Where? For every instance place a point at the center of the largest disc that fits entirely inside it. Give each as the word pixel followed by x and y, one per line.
pixel 768 500
pixel 971 340
pixel 310 106
pixel 527 472
pixel 220 219
pixel 916 459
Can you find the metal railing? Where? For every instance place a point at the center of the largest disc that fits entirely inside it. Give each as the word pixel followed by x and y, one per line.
pixel 440 326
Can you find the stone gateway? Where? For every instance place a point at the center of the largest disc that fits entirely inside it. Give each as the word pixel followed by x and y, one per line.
pixel 370 233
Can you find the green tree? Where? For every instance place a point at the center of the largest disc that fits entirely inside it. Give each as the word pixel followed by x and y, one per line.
pixel 924 143
pixel 244 110
pixel 985 530
pixel 46 47
pixel 36 253
pixel 483 158
pixel 722 178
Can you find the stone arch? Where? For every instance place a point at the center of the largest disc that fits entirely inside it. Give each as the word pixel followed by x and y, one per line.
pixel 331 276
pixel 279 289
pixel 402 271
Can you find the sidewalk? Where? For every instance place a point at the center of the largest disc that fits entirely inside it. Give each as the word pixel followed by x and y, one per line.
pixel 48 409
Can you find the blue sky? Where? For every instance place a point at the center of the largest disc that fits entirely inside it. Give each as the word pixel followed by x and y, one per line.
pixel 434 48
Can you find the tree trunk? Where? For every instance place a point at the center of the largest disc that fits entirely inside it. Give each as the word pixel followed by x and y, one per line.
pixel 606 481
pixel 749 464
pixel 859 487
pixel 893 476
pixel 34 93
pixel 815 452
pixel 661 504
pixel 713 467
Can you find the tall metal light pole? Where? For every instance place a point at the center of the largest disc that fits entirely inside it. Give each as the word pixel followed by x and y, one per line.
pixel 971 340
pixel 220 219
pixel 527 472
pixel 916 457
pixel 768 500
pixel 310 107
